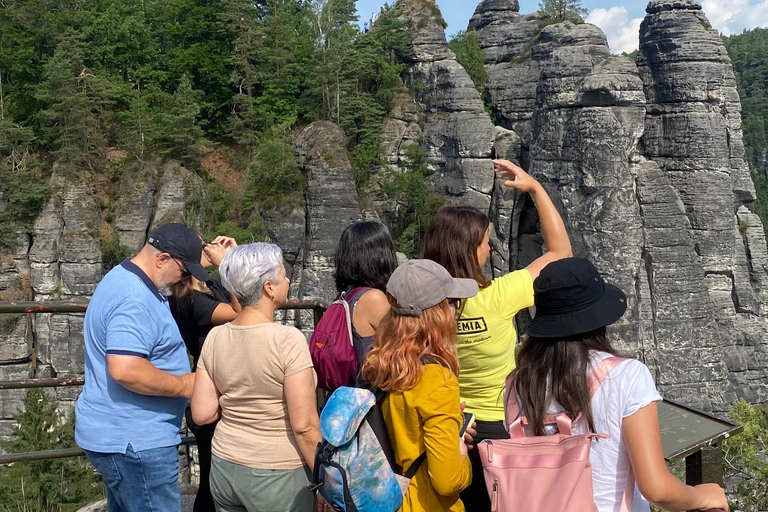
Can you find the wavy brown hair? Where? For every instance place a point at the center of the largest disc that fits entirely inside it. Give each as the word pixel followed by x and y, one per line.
pixel 404 344
pixel 562 366
pixel 453 238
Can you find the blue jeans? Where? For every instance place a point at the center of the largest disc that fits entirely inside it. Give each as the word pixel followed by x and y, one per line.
pixel 143 481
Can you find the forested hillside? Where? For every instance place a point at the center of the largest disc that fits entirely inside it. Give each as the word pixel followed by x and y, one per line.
pixel 98 86
pixel 749 55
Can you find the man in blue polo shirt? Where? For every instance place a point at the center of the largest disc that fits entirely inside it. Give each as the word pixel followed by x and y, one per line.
pixel 137 378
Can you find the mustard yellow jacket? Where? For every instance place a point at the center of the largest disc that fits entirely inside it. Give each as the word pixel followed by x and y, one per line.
pixel 428 418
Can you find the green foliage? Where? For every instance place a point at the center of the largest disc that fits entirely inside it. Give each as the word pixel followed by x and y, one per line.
pixel 747 455
pixel 173 129
pixel 57 485
pixel 77 105
pixel 357 77
pixel 24 186
pixel 749 55
pixel 466 46
pixel 113 252
pixel 761 200
pixel 563 10
pixel 415 205
pixel 162 78
pixel 273 173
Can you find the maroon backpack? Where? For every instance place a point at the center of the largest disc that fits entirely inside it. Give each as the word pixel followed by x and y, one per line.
pixel 332 344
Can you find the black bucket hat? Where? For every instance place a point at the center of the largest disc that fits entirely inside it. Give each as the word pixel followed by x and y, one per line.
pixel 183 243
pixel 571 298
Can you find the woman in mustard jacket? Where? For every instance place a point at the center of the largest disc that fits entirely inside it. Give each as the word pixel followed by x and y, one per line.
pixel 414 359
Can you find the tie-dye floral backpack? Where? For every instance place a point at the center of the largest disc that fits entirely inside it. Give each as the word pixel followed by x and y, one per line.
pixel 355 470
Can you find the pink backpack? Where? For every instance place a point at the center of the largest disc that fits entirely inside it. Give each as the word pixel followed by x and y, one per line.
pixel 545 473
pixel 332 344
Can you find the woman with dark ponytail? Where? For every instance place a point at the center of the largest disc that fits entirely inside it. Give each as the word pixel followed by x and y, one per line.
pixel 566 342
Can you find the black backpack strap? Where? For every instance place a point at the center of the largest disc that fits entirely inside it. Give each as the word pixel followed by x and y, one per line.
pixel 415 466
pixel 375 419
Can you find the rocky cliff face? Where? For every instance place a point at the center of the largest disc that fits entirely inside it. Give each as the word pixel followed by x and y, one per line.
pixel 646 163
pixel 449 117
pixel 644 160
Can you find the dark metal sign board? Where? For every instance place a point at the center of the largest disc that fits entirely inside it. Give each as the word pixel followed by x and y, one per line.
pixel 685 430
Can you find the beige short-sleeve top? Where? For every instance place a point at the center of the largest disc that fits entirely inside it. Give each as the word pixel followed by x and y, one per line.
pixel 248 365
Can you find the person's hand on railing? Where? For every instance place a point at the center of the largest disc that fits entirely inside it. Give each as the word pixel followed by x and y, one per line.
pixel 713 498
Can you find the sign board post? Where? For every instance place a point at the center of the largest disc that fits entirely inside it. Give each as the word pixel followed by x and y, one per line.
pixel 695 435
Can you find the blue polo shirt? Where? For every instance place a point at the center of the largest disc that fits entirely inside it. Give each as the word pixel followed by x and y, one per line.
pixel 128 316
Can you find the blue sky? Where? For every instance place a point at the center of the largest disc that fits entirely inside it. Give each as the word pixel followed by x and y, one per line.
pixel 619 20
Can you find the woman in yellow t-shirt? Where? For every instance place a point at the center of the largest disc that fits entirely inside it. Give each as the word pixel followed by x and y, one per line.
pixel 414 359
pixel 458 239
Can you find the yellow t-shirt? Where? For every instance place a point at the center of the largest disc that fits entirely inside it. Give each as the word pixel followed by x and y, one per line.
pixel 487 340
pixel 427 419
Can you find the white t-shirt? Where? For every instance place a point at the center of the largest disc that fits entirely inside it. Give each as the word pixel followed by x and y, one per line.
pixel 627 389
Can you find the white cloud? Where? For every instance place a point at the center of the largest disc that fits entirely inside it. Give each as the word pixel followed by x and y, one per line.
pixel 733 16
pixel 621 31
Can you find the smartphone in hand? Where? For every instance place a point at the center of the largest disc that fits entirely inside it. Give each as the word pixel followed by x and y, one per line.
pixel 469 419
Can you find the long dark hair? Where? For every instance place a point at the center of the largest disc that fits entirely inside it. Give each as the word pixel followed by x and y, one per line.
pixel 181 296
pixel 560 366
pixel 453 238
pixel 365 256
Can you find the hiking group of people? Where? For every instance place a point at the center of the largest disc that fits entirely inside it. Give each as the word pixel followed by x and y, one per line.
pixel 440 389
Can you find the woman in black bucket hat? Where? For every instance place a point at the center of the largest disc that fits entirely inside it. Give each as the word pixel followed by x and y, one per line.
pixel 566 342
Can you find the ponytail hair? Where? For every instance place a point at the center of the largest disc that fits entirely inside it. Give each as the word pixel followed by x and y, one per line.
pixel 560 366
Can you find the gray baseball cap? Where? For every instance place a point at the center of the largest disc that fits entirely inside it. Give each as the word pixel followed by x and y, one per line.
pixel 417 285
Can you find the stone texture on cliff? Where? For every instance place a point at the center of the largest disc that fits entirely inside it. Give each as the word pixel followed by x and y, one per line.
pixel 179 197
pixel 693 131
pixel 331 206
pixel 646 165
pixel 679 338
pixel 457 133
pixel 506 39
pixel 134 206
pixel 588 119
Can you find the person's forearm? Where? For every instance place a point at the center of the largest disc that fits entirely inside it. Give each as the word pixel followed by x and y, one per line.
pixel 552 226
pixel 142 377
pixel 673 495
pixel 308 442
pixel 235 303
pixel 206 417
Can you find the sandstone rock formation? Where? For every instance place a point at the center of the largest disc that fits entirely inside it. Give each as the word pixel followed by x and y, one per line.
pixel 646 163
pixel 644 159
pixel 62 260
pixel 331 205
pixel 456 132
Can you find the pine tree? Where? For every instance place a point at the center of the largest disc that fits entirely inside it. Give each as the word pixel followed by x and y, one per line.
pixel 563 10
pixel 77 106
pixel 241 18
pixel 54 485
pixel 175 131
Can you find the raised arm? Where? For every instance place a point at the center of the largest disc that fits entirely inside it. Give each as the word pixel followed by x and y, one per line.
pixel 642 436
pixel 552 227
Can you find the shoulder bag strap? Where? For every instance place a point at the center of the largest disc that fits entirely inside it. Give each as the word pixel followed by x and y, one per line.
pixel 601 371
pixel 599 374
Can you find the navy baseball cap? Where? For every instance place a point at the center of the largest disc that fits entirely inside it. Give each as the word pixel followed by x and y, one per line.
pixel 183 243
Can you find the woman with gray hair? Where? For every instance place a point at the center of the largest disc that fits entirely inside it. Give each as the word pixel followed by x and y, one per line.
pixel 257 377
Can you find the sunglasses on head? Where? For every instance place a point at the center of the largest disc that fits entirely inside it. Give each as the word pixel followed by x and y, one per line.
pixel 456 303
